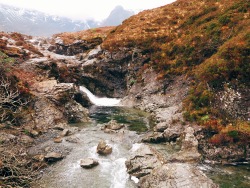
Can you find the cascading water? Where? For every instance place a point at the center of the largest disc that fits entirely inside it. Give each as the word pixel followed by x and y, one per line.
pixel 111 171
pixel 100 101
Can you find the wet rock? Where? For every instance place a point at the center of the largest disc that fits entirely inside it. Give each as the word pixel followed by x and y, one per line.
pixel 57 140
pixel 155 137
pixel 189 148
pixel 26 139
pixel 143 161
pixel 72 139
pixel 53 157
pixel 88 163
pixel 175 175
pixel 103 148
pixel 65 132
pixel 112 125
pixel 5 137
pixel 73 130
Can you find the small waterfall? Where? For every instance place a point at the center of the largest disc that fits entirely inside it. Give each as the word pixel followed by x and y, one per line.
pixel 100 101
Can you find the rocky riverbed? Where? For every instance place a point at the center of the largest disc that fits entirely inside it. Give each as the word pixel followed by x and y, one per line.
pixel 144 142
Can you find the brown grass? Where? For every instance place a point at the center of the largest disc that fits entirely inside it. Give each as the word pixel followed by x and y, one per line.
pixel 70 37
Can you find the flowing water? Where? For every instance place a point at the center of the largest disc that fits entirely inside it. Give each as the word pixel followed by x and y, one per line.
pixel 229 176
pixel 111 171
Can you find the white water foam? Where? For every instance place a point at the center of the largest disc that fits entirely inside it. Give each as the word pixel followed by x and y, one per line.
pixel 119 173
pixel 100 101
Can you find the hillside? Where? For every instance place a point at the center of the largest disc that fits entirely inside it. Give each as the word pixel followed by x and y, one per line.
pixel 207 40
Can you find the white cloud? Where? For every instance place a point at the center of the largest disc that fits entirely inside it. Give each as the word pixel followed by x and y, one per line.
pixel 98 9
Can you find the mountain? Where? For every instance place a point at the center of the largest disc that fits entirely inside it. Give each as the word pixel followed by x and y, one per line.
pixel 117 16
pixel 36 23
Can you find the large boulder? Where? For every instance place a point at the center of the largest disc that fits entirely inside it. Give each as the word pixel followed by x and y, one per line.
pixel 143 161
pixel 88 163
pixel 176 175
pixel 189 149
pixel 76 113
pixel 103 148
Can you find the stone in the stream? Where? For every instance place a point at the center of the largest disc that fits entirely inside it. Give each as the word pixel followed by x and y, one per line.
pixel 88 163
pixel 53 157
pixel 58 140
pixel 65 132
pixel 112 125
pixel 103 148
pixel 72 139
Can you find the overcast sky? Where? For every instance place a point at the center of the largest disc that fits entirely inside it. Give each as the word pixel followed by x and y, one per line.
pixel 77 9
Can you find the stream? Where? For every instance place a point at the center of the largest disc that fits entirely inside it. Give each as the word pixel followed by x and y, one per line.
pixel 111 171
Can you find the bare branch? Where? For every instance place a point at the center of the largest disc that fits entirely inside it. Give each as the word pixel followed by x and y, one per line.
pixel 10 101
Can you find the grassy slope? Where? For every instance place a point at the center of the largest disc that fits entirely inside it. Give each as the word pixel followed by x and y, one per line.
pixel 207 39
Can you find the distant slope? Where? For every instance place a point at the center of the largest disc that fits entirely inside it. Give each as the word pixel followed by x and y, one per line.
pixel 36 23
pixel 117 16
pixel 208 40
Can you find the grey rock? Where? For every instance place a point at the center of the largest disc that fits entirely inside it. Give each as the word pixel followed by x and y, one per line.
pixel 189 149
pixel 176 175
pixel 143 161
pixel 103 148
pixel 76 113
pixel 160 127
pixel 53 157
pixel 155 137
pixel 72 139
pixel 88 163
